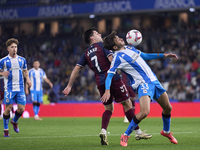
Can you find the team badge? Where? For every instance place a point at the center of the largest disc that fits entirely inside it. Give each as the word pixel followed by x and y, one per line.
pixel 20 60
pixel 144 91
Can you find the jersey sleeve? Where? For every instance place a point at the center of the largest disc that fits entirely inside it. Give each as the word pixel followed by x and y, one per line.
pixel 107 52
pixel 44 75
pixel 115 64
pixel 29 73
pixel 151 56
pixel 1 64
pixel 24 65
pixel 82 62
pixel 108 81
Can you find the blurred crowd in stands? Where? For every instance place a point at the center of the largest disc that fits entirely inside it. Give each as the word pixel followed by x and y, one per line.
pixel 59 54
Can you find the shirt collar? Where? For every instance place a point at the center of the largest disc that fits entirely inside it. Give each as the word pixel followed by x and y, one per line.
pixel 12 57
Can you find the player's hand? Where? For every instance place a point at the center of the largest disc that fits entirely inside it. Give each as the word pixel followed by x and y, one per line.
pixel 6 74
pixel 171 55
pixel 28 81
pixel 51 85
pixel 26 92
pixel 105 96
pixel 67 90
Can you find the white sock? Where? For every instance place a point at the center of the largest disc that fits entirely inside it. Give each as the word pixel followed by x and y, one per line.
pixel 103 131
pixel 125 134
pixel 167 132
pixel 138 131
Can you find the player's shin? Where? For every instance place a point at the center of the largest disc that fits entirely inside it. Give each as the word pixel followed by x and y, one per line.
pixel 105 119
pixel 166 122
pixel 6 121
pixel 35 108
pixel 133 124
pixel 17 116
pixel 38 108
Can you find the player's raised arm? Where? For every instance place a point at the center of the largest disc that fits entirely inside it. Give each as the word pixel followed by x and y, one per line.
pixel 171 55
pixel 72 78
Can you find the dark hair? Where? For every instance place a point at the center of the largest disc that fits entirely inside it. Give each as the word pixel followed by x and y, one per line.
pixel 109 42
pixel 87 34
pixel 10 41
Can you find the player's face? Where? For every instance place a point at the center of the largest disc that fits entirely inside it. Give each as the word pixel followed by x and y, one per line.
pixel 12 49
pixel 97 36
pixel 36 65
pixel 119 42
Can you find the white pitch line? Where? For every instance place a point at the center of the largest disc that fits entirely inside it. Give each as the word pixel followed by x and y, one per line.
pixel 40 137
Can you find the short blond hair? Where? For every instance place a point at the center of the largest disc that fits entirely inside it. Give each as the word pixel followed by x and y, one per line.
pixel 10 41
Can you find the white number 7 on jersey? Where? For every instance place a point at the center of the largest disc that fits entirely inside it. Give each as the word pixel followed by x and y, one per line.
pixel 96 62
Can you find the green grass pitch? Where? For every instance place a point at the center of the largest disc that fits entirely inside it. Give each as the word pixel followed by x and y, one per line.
pixel 82 134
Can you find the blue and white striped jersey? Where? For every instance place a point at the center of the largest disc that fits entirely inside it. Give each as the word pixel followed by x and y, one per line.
pixel 36 77
pixel 15 66
pixel 130 62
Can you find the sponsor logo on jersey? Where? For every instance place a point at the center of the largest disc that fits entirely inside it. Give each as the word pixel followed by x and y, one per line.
pixel 7 100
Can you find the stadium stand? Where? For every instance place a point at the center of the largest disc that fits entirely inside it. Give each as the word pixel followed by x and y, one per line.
pixel 59 53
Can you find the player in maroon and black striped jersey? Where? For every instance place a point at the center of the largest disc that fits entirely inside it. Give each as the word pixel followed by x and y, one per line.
pixel 98 59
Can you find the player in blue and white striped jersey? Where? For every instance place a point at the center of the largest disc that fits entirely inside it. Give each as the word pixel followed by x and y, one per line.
pixel 132 62
pixel 14 69
pixel 37 76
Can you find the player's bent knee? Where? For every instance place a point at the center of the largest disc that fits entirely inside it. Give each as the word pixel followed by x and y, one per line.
pixel 144 114
pixel 20 110
pixel 168 109
pixel 37 104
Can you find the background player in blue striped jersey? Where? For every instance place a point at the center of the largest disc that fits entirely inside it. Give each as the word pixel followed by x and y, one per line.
pixel 2 98
pixel 14 69
pixel 1 95
pixel 143 81
pixel 37 76
pixel 98 59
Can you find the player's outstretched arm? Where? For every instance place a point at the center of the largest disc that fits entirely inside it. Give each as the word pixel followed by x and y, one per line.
pixel 72 78
pixel 171 55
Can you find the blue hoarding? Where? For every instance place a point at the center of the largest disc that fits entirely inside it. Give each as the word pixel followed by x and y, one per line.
pixel 95 8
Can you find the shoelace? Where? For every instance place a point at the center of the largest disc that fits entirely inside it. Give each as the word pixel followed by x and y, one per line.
pixel 125 139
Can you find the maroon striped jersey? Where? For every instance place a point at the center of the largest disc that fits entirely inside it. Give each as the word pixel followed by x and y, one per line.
pixel 96 57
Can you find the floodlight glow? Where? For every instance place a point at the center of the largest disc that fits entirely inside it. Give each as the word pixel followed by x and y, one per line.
pixel 92 16
pixel 192 9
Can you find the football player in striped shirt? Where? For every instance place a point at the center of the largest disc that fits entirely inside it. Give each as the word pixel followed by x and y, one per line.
pixel 132 62
pixel 98 59
pixel 37 76
pixel 13 68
